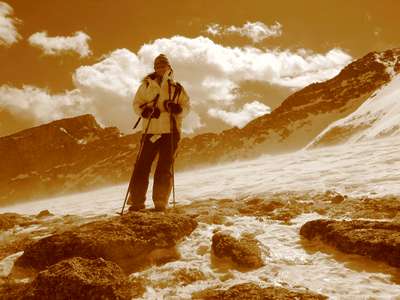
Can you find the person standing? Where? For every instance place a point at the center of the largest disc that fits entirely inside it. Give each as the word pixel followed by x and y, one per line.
pixel 162 103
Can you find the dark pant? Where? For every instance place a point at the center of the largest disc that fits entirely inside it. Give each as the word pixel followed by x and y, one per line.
pixel 162 185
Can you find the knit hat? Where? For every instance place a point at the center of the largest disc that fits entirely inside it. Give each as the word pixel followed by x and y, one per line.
pixel 160 60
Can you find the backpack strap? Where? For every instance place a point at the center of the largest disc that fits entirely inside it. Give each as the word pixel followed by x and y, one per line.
pixel 177 92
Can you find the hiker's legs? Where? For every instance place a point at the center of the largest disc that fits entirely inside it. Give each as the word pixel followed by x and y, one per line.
pixel 162 184
pixel 140 178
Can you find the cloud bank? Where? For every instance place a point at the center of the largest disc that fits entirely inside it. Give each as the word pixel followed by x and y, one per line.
pixel 211 74
pixel 241 117
pixel 8 32
pixel 256 31
pixel 59 44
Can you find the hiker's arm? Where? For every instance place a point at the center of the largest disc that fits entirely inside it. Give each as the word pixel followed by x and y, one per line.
pixel 139 100
pixel 184 102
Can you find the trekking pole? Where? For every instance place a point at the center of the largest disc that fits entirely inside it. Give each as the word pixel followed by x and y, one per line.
pixel 172 158
pixel 138 155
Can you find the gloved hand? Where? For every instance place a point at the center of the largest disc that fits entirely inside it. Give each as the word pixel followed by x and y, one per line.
pixel 172 107
pixel 151 112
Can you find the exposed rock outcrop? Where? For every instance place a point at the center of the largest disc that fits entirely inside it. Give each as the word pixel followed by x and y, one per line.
pixel 9 220
pixel 251 291
pixel 81 279
pixel 134 241
pixel 244 253
pixel 375 239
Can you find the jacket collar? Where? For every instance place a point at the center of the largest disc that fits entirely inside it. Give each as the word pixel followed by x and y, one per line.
pixel 169 75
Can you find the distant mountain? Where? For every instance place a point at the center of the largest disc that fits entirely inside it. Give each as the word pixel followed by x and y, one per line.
pixel 377 117
pixel 302 116
pixel 77 154
pixel 63 156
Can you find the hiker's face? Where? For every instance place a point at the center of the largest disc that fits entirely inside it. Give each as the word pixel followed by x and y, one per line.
pixel 161 69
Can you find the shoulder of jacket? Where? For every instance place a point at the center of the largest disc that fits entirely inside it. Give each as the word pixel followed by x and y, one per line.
pixel 146 80
pixel 176 84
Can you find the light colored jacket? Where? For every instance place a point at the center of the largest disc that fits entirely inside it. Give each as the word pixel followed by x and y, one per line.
pixel 147 91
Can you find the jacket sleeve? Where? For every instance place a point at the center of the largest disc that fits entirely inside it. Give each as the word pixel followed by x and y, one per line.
pixel 184 102
pixel 139 99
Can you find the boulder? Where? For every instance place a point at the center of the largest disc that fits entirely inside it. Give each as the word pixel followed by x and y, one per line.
pixel 244 253
pixel 187 276
pixel 133 241
pixel 251 291
pixel 80 278
pixel 44 214
pixel 375 239
pixel 9 220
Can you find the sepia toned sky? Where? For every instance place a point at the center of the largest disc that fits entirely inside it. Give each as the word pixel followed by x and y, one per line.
pixel 237 59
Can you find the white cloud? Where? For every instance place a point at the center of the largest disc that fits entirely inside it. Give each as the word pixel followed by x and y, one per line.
pixel 214 29
pixel 61 44
pixel 32 106
pixel 241 117
pixel 211 74
pixel 199 59
pixel 112 83
pixel 256 31
pixel 8 32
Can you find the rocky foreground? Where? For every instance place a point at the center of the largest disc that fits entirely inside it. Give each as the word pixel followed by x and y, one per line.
pixel 79 258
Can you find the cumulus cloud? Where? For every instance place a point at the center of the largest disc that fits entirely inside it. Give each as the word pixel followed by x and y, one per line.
pixel 241 117
pixel 31 106
pixel 61 44
pixel 8 32
pixel 256 31
pixel 199 59
pixel 211 74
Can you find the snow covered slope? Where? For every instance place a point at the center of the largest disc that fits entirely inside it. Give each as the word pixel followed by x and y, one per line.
pixel 377 117
pixel 368 168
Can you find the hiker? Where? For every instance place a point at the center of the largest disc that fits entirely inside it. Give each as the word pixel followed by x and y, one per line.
pixel 161 115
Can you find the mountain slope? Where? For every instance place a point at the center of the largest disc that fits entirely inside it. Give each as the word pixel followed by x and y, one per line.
pixel 77 154
pixel 377 117
pixel 63 156
pixel 303 115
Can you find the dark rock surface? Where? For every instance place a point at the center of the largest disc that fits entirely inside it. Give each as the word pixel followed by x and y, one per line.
pixel 245 252
pixel 251 291
pixel 134 241
pixel 82 279
pixel 44 213
pixel 375 239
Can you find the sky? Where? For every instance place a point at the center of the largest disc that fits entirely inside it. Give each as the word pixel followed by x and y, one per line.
pixel 237 59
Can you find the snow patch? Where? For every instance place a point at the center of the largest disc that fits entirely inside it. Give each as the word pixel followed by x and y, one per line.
pixel 377 117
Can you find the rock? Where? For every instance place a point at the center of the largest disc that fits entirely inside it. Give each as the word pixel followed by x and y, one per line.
pixel 44 213
pixel 375 208
pixel 375 239
pixel 133 241
pixel 333 197
pixel 9 220
pixel 250 291
pixel 80 278
pixel 259 207
pixel 10 290
pixel 337 199
pixel 245 253
pixel 187 276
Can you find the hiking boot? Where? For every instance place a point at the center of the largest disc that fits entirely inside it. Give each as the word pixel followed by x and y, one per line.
pixel 136 207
